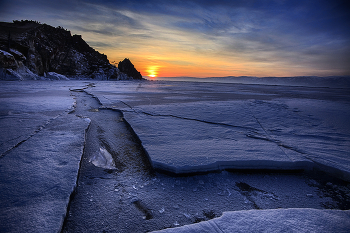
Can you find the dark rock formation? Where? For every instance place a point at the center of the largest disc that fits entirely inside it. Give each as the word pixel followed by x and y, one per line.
pixel 30 50
pixel 128 68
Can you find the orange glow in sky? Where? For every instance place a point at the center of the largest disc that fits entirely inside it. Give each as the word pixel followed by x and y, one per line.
pixel 152 71
pixel 206 38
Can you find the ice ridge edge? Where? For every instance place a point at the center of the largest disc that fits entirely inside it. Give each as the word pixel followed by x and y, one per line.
pixel 306 164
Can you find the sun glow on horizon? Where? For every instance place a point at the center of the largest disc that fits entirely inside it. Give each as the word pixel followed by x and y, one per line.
pixel 152 71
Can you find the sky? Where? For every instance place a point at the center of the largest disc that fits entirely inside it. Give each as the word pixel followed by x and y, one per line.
pixel 203 38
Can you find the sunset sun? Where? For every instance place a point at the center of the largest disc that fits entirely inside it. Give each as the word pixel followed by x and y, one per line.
pixel 152 71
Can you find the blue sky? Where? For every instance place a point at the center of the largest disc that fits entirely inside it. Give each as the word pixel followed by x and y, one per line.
pixel 206 38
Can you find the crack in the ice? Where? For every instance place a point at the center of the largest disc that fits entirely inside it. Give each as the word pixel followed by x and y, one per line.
pixel 252 130
pixel 250 134
pixel 10 140
pixel 305 154
pixel 193 119
pixel 128 105
pixel 73 193
pixel 249 191
pixel 277 142
pixel 170 115
pixel 41 127
pixel 219 230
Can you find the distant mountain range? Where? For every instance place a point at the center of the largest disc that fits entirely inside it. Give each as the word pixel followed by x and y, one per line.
pixel 31 50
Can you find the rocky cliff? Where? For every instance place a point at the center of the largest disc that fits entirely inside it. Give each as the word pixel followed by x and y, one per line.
pixel 128 68
pixel 30 50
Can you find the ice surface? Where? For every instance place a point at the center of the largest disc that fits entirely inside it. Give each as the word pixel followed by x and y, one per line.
pixel 306 81
pixel 38 176
pixel 188 127
pixel 41 147
pixel 26 107
pixel 276 220
pixel 184 127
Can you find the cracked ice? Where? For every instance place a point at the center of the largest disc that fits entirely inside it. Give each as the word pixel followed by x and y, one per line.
pixel 190 127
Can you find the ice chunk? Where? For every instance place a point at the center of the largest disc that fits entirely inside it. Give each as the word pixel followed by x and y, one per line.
pixel 103 159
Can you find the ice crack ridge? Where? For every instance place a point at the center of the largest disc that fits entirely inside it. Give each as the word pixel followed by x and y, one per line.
pixel 41 127
pixel 194 119
pixel 278 142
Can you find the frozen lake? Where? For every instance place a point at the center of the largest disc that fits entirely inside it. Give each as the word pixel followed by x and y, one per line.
pixel 51 131
pixel 193 127
pixel 41 145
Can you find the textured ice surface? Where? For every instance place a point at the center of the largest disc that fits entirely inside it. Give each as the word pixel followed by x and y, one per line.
pixel 131 198
pixel 185 127
pixel 26 107
pixel 38 177
pixel 277 220
pixel 41 148
pixel 188 127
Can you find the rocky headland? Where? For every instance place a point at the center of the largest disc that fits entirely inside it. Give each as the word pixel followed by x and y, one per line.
pixel 32 51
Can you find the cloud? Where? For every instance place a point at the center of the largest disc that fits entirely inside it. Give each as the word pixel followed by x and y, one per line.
pixel 283 34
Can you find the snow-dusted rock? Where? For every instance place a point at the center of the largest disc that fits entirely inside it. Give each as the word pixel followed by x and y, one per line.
pixel 55 76
pixel 18 55
pixel 128 68
pixel 7 60
pixel 43 49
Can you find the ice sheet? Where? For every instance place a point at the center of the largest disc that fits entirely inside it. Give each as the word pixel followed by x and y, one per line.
pixel 188 127
pixel 41 145
pixel 38 176
pixel 276 220
pixel 26 107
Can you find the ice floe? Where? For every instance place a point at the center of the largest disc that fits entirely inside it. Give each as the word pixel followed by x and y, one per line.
pixel 276 220
pixel 192 127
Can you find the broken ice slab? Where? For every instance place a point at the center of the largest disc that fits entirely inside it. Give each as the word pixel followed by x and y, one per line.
pixel 182 146
pixel 274 220
pixel 38 176
pixel 26 107
pixel 187 126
